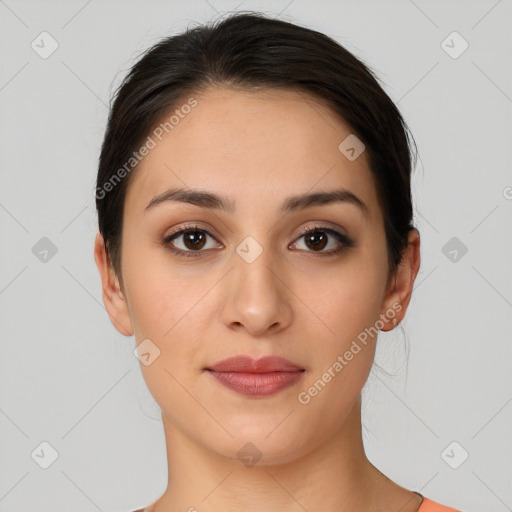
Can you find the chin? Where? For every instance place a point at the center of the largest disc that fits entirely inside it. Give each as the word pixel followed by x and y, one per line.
pixel 262 446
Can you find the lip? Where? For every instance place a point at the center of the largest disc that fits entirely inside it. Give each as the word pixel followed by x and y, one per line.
pixel 248 364
pixel 256 377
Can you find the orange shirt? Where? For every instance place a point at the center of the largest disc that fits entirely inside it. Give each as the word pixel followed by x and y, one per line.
pixel 426 506
pixel 432 506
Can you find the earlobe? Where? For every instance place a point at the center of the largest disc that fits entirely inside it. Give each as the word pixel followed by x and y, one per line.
pixel 401 286
pixel 113 296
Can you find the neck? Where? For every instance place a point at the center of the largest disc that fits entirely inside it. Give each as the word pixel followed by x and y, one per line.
pixel 336 475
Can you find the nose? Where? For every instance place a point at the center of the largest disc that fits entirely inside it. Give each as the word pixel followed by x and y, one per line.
pixel 257 298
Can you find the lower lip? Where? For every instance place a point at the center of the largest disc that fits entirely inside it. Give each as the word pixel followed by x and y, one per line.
pixel 257 384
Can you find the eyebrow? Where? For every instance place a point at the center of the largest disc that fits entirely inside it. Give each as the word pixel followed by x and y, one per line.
pixel 204 199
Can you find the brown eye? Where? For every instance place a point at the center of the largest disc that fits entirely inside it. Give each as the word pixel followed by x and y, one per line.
pixel 316 241
pixel 194 240
pixel 190 241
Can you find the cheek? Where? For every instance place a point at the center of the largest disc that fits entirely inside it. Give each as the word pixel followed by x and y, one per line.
pixel 347 348
pixel 345 300
pixel 173 307
pixel 161 295
pixel 348 308
pixel 170 310
pixel 346 303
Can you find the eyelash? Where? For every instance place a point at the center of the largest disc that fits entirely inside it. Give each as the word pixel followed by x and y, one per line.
pixel 344 239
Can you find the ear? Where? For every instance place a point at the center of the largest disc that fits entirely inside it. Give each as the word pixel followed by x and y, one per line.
pixel 401 283
pixel 113 296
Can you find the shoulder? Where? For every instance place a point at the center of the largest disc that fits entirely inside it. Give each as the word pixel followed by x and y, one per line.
pixel 147 508
pixel 432 506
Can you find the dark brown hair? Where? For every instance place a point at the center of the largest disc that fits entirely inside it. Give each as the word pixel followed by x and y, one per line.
pixel 248 51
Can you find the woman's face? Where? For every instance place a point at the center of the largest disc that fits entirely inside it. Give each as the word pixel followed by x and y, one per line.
pixel 248 281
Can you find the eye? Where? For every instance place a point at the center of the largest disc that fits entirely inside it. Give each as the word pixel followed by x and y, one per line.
pixel 317 238
pixel 190 240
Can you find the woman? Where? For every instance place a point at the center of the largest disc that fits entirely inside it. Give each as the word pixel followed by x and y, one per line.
pixel 255 235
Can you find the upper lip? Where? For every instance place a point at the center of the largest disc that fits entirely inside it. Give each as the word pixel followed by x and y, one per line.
pixel 248 364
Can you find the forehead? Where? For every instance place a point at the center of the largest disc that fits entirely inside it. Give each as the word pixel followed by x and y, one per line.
pixel 255 147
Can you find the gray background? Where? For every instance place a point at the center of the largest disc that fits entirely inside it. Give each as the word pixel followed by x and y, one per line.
pixel 68 378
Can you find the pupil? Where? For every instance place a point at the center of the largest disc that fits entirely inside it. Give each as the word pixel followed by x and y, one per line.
pixel 194 238
pixel 318 244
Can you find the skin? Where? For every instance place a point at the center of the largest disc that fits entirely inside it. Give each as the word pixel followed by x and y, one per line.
pixel 257 149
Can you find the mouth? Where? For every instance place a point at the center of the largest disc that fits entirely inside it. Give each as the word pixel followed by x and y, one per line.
pixel 256 377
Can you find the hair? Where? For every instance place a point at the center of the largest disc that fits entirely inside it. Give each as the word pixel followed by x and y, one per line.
pixel 252 51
